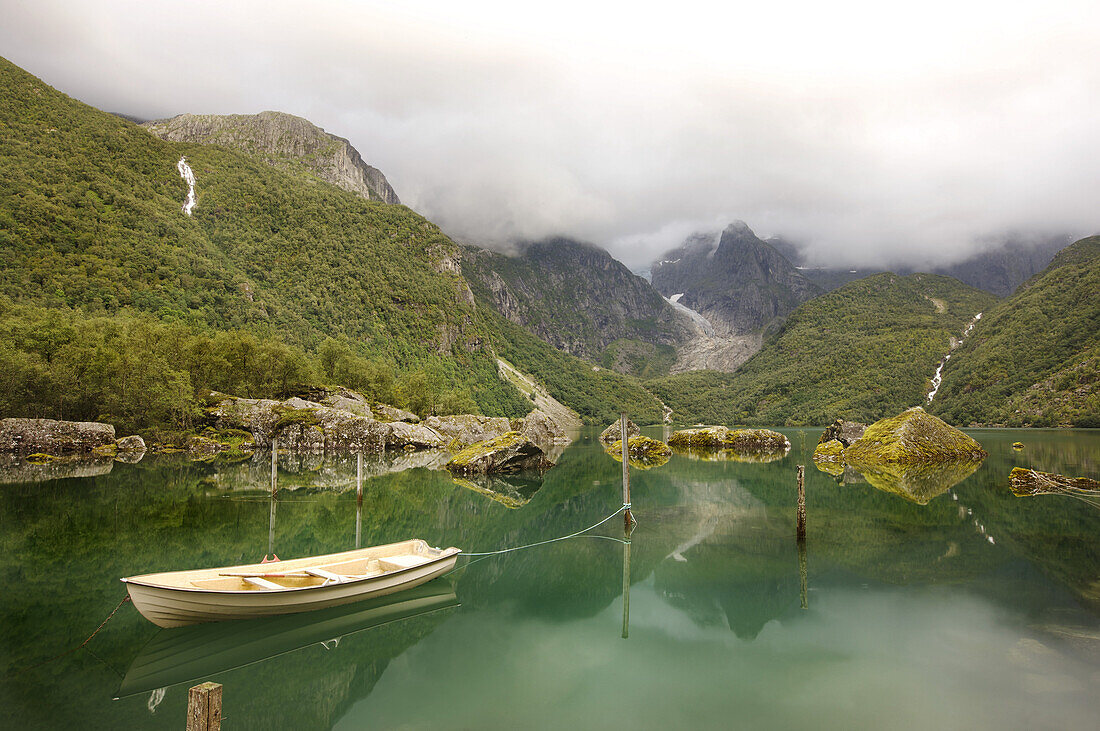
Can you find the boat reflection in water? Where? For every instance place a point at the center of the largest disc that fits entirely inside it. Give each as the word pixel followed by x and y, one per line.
pixel 185 654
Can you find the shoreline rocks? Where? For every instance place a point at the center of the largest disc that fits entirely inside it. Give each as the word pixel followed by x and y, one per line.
pixel 50 436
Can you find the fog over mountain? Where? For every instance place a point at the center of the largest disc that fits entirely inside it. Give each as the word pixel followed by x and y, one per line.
pixel 872 134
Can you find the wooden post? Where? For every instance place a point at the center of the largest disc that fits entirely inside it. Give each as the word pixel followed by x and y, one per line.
pixel 626 582
pixel 274 466
pixel 802 575
pixel 800 529
pixel 628 518
pixel 204 707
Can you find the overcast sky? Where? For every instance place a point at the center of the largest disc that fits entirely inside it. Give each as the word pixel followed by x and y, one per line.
pixel 874 133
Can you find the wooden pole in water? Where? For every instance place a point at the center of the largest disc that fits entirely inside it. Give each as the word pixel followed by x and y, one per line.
pixel 800 529
pixel 626 581
pixel 359 500
pixel 204 707
pixel 274 466
pixel 802 575
pixel 628 518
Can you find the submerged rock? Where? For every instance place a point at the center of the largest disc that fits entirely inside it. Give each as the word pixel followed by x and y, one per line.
pixel 614 432
pixel 512 491
pixel 644 452
pixel 1025 483
pixel 738 440
pixel 50 436
pixel 912 437
pixel 509 452
pixel 845 432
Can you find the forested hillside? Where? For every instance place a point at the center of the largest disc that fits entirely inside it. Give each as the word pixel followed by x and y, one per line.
pixel 1035 359
pixel 860 352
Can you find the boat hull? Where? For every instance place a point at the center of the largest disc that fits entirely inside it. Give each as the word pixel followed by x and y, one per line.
pixel 177 607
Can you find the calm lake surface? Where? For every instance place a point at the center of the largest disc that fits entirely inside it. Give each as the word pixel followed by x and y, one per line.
pixel 977 609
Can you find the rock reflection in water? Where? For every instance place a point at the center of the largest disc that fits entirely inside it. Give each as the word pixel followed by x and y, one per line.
pixel 729 455
pixel 917 483
pixel 510 490
pixel 15 469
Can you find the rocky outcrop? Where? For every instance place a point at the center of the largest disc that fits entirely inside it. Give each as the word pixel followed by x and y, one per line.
pixel 912 437
pixel 540 428
pixel 738 440
pixel 614 431
pixel 385 412
pixel 643 452
pixel 578 298
pixel 737 282
pixel 49 436
pixel 845 432
pixel 131 444
pixel 303 425
pixel 278 138
pixel 507 453
pixel 462 430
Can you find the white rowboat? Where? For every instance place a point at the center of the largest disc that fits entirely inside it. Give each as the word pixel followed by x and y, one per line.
pixel 177 598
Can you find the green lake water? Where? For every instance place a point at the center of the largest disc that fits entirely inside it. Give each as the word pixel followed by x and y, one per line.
pixel 977 609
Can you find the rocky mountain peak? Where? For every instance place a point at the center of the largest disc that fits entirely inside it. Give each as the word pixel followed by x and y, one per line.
pixel 280 138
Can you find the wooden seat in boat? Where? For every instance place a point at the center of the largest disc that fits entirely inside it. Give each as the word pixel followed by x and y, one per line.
pixel 263 583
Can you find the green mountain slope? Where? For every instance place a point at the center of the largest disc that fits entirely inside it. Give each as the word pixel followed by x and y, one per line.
pixel 91 220
pixel 1035 358
pixel 863 351
pixel 579 299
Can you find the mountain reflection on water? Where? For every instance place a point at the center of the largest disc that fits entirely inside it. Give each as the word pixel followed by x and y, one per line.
pixel 906 602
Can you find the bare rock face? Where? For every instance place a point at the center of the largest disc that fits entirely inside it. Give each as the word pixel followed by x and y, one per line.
pixel 131 444
pixel 462 430
pixel 845 432
pixel 614 432
pixel 386 412
pixel 507 453
pixel 540 428
pixel 416 436
pixel 49 436
pixel 279 138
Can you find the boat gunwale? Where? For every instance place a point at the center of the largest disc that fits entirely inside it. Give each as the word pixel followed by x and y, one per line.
pixel 447 553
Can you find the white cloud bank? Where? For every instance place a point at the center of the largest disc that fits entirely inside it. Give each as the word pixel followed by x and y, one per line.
pixel 875 133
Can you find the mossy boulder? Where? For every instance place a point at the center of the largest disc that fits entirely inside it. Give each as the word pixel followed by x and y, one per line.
pixel 844 432
pixel 830 451
pixel 131 444
pixel 614 432
pixel 644 452
pixel 912 437
pixel 509 452
pixel 743 441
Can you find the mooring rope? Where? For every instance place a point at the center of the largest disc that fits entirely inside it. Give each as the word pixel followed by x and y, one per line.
pixel 552 540
pixel 87 640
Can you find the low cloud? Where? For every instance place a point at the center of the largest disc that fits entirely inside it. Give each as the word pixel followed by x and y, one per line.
pixel 873 139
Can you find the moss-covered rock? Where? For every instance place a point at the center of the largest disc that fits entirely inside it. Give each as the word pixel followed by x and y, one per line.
pixel 912 437
pixel 744 441
pixel 830 451
pixel 644 452
pixel 614 432
pixel 50 436
pixel 509 452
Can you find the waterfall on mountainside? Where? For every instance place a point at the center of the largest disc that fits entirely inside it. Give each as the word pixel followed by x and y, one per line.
pixel 189 177
pixel 937 379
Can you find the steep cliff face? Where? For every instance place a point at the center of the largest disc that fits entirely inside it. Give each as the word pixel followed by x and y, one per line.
pixel 282 138
pixel 579 299
pixel 739 283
